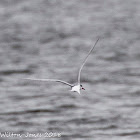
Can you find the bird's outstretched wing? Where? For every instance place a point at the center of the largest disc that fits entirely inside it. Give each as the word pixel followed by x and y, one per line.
pixel 52 80
pixel 86 60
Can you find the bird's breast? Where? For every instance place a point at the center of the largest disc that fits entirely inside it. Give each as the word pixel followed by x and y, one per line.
pixel 75 88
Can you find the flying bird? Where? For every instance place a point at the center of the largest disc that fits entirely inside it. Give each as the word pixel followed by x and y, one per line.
pixel 78 86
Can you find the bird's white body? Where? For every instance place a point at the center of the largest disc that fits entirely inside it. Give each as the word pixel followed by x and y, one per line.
pixel 76 88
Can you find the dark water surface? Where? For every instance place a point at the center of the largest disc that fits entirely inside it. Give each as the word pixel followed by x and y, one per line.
pixel 49 39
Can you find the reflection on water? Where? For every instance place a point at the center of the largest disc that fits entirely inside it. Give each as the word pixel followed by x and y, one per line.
pixel 49 39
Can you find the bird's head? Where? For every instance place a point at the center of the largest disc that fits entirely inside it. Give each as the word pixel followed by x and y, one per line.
pixel 82 87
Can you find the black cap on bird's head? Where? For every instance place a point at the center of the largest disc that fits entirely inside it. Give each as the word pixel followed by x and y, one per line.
pixel 82 87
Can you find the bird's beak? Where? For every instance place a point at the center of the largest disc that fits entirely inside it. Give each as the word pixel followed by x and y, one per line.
pixel 83 88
